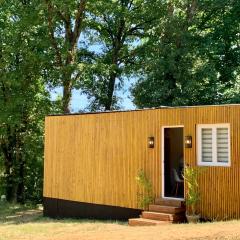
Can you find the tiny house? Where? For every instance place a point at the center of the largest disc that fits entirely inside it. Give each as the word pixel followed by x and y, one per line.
pixel 92 160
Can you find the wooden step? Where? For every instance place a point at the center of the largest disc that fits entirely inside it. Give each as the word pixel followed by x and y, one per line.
pixel 145 222
pixel 163 216
pixel 166 209
pixel 169 202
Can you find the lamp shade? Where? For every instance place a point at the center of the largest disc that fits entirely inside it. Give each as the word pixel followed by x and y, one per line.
pixel 188 141
pixel 151 142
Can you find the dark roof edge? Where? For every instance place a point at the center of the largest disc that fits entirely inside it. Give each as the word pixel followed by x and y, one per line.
pixel 141 109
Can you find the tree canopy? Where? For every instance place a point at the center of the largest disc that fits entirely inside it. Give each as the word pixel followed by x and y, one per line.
pixel 176 52
pixel 191 56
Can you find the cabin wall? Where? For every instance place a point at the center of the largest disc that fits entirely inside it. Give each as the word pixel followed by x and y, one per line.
pixel 94 158
pixel 219 186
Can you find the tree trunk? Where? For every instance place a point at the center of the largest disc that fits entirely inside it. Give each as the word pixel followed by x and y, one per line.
pixel 67 95
pixel 8 168
pixel 9 181
pixel 14 165
pixel 111 86
pixel 20 186
pixel 73 29
pixel 20 172
pixel 112 77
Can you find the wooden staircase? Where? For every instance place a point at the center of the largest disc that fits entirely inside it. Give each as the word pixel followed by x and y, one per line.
pixel 161 212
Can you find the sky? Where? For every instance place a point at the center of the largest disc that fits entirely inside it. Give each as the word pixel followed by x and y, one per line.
pixel 80 101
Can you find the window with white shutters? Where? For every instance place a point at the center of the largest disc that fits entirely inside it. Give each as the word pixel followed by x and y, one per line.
pixel 222 145
pixel 207 145
pixel 213 145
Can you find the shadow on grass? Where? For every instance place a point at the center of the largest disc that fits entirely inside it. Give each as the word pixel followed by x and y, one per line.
pixel 16 213
pixel 21 214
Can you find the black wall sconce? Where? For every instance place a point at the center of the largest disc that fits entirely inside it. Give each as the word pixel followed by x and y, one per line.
pixel 151 142
pixel 188 141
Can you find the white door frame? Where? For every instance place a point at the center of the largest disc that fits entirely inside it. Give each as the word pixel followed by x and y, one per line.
pixel 163 177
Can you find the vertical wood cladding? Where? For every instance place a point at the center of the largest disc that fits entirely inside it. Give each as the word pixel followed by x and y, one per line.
pixel 95 158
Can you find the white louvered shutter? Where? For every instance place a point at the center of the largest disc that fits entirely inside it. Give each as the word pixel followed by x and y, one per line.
pixel 222 145
pixel 207 145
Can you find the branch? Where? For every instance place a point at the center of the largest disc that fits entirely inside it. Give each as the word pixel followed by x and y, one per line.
pixel 120 34
pixel 66 18
pixel 68 29
pixel 136 8
pixel 62 16
pixel 139 26
pixel 51 33
pixel 4 92
pixel 107 28
pixel 78 21
pixel 213 11
pixel 129 58
pixel 191 10
pixel 130 4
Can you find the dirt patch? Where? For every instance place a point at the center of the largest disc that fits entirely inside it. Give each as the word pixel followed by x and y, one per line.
pixel 173 232
pixel 29 224
pixel 23 216
pixel 46 229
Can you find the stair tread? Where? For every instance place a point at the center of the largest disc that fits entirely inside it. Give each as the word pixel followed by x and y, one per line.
pixel 166 209
pixel 159 213
pixel 165 206
pixel 170 199
pixel 162 216
pixel 147 221
pixel 170 202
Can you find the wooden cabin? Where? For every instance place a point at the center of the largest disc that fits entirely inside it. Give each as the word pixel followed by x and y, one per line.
pixel 92 160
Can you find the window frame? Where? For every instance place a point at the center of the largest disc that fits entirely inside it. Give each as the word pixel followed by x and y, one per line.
pixel 214 145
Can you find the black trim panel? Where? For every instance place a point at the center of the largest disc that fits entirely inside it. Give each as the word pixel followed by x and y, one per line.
pixel 58 208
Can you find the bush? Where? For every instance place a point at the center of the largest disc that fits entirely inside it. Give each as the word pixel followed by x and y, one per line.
pixel 146 195
pixel 193 195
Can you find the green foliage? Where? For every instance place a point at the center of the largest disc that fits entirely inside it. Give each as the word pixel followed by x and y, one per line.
pixel 191 56
pixel 191 175
pixel 24 101
pixel 145 196
pixel 117 29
